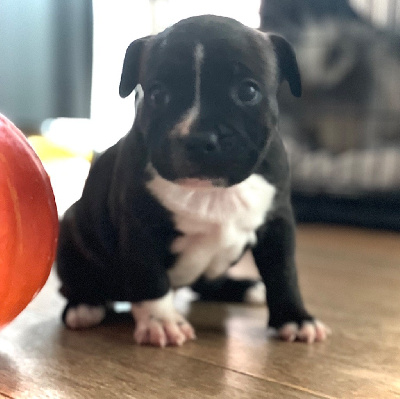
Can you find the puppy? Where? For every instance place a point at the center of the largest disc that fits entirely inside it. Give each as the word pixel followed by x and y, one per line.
pixel 201 178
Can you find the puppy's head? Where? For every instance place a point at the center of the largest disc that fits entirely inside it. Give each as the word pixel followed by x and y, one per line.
pixel 209 105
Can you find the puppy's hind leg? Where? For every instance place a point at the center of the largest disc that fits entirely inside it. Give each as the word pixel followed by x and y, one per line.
pixel 82 281
pixel 227 289
pixel 83 316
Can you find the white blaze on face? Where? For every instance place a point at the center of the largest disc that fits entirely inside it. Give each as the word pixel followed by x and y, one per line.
pixel 182 128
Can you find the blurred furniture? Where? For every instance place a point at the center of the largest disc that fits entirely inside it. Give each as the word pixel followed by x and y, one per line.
pixel 343 135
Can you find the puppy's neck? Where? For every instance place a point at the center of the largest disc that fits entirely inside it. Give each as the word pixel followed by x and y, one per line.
pixel 201 200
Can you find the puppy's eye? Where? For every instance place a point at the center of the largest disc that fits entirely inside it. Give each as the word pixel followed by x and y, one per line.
pixel 247 93
pixel 158 96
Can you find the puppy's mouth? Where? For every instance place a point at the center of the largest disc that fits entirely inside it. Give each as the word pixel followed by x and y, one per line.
pixel 189 162
pixel 198 183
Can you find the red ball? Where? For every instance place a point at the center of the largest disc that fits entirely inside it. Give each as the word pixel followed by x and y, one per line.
pixel 28 222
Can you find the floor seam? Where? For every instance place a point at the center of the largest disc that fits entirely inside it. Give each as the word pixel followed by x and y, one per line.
pixel 266 379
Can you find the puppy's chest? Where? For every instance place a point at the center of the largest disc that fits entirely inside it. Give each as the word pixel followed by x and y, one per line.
pixel 216 224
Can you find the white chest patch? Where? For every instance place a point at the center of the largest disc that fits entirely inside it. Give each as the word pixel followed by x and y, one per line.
pixel 216 224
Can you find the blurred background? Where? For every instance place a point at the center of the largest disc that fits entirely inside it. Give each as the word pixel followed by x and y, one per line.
pixel 60 64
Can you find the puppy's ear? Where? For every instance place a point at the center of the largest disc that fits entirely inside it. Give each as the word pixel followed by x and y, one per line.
pixel 131 67
pixel 287 63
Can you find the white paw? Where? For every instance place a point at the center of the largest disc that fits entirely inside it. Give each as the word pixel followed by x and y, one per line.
pixel 309 332
pixel 84 316
pixel 256 295
pixel 159 324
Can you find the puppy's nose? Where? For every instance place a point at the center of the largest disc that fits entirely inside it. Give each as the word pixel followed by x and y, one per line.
pixel 203 143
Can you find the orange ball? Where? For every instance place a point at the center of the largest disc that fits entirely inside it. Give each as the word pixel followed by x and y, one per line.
pixel 28 222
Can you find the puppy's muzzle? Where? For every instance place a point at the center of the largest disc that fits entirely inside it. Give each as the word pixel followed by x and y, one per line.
pixel 204 146
pixel 216 154
pixel 211 146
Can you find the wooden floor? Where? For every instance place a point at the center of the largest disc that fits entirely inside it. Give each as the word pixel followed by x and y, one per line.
pixel 350 279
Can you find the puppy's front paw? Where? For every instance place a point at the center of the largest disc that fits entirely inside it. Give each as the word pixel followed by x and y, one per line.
pixel 308 331
pixel 158 332
pixel 159 324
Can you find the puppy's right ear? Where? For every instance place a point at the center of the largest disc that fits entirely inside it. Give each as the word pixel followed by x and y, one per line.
pixel 131 68
pixel 287 63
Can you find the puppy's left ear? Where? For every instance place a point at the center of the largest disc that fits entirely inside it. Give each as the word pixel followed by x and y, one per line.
pixel 131 67
pixel 287 63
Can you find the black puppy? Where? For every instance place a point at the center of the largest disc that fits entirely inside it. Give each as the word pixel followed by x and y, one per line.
pixel 201 177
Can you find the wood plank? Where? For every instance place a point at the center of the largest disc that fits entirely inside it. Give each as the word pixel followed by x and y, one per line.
pixel 361 244
pixel 350 279
pixel 369 311
pixel 40 358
